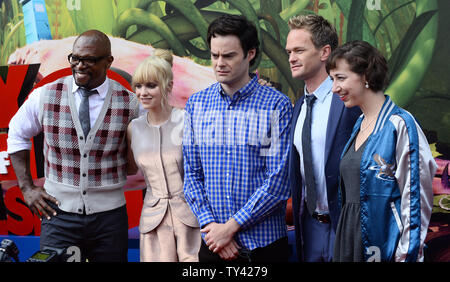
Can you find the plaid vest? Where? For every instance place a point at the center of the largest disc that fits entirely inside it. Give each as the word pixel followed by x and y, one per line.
pixel 95 166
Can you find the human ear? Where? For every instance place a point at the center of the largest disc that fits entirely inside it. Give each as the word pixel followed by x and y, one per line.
pixel 110 61
pixel 325 52
pixel 170 86
pixel 251 54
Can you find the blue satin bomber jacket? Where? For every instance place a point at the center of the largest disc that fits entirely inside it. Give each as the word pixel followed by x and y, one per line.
pixel 396 194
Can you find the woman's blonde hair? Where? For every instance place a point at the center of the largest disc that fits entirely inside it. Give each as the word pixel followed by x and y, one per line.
pixel 156 68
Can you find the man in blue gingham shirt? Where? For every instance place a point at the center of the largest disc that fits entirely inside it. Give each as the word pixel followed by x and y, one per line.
pixel 235 150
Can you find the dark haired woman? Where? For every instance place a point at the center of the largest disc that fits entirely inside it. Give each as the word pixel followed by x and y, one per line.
pixel 386 167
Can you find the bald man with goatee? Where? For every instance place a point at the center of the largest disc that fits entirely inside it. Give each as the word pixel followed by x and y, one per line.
pixel 84 119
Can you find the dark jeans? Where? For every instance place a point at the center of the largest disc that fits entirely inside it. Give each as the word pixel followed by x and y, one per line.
pixel 100 237
pixel 278 251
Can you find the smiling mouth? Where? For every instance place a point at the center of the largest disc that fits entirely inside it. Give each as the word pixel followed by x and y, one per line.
pixel 81 74
pixel 343 96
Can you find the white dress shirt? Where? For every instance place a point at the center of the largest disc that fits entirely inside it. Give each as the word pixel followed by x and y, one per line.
pixel 25 123
pixel 319 122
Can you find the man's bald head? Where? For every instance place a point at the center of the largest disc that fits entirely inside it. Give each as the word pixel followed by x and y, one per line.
pixel 96 37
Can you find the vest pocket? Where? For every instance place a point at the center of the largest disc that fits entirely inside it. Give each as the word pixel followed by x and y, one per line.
pixel 397 217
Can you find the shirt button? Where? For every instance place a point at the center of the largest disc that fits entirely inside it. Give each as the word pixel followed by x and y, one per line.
pixel 84 192
pixel 85 155
pixel 84 174
pixel 80 210
pixel 81 137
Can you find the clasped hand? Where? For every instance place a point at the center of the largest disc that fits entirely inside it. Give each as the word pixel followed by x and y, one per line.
pixel 219 238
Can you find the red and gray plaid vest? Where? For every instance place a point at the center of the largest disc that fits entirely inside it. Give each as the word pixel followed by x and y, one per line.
pixel 100 160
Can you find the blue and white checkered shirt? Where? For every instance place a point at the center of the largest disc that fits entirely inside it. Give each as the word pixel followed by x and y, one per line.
pixel 235 159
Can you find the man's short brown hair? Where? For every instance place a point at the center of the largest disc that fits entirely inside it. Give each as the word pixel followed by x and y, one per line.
pixel 322 32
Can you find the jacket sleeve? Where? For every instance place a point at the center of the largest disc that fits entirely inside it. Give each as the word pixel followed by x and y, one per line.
pixel 415 171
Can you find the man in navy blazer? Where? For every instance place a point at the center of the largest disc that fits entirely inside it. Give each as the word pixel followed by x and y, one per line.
pixel 309 43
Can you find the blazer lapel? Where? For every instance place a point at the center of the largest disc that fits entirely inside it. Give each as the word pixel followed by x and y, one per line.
pixel 334 117
pixel 296 113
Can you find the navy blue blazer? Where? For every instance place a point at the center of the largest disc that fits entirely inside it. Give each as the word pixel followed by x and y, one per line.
pixel 340 124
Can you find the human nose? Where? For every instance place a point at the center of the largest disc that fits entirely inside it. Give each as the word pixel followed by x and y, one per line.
pixel 292 57
pixel 220 61
pixel 81 64
pixel 336 88
pixel 142 91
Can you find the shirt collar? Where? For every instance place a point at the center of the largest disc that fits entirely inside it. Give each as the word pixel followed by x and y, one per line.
pixel 323 90
pixel 245 91
pixel 102 89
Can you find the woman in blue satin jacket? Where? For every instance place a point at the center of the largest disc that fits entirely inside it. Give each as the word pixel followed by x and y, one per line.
pixel 386 167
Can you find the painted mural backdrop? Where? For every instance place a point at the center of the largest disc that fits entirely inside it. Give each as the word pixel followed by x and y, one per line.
pixel 413 35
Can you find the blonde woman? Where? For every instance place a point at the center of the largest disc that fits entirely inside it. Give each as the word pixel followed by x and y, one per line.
pixel 169 230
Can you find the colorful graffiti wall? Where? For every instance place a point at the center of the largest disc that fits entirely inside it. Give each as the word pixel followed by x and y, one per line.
pixel 413 35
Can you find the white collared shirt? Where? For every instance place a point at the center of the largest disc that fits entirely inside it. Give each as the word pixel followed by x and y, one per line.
pixel 25 123
pixel 319 123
